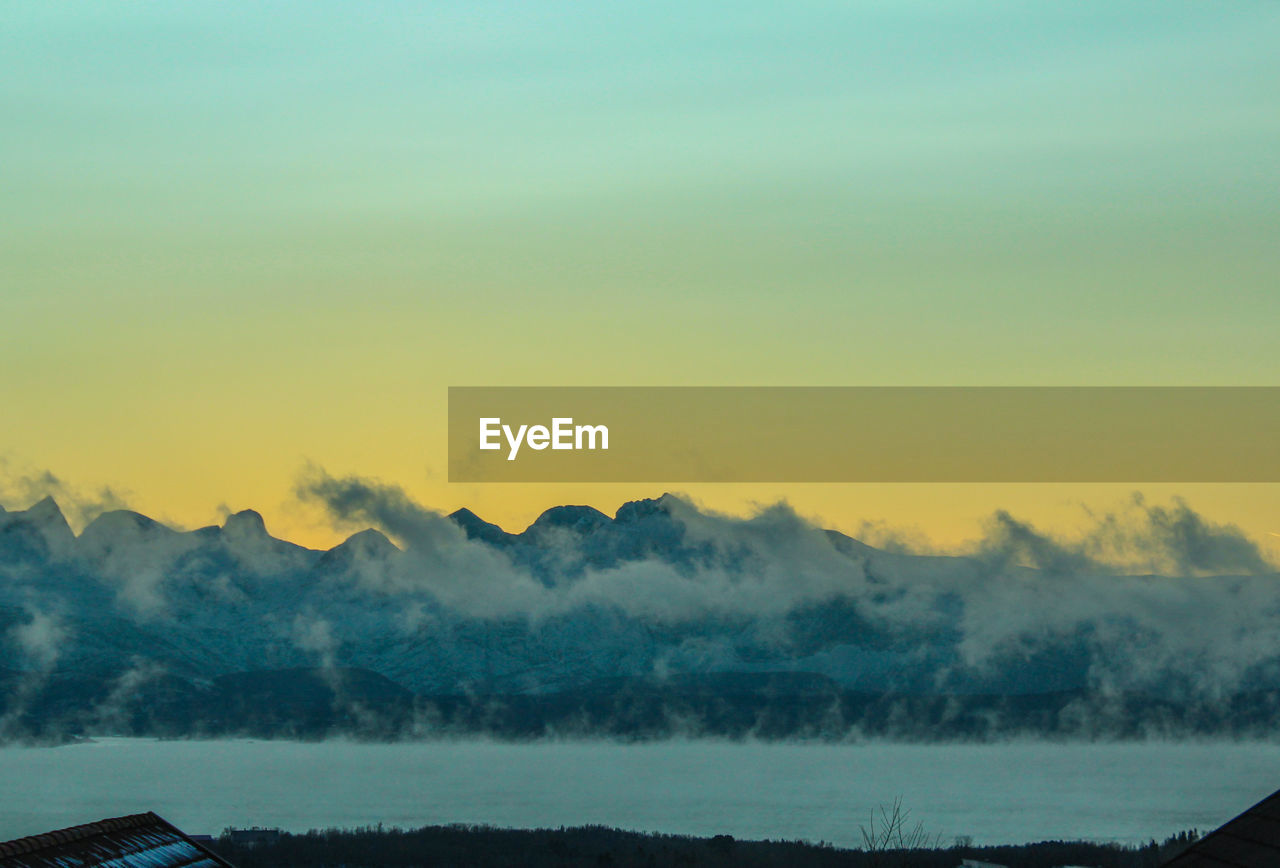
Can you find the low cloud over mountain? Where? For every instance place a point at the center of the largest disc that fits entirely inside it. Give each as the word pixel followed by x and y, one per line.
pixel 663 600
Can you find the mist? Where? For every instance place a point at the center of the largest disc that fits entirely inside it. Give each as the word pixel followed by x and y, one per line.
pixel 664 619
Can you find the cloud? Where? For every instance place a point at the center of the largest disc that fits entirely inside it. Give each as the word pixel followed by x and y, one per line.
pixel 114 713
pixel 438 559
pixel 24 486
pixel 314 635
pixel 766 564
pixel 1022 598
pixel 39 641
pixel 899 540
pixel 670 586
pixel 762 566
pixel 1173 540
pixel 1009 542
pixel 1136 538
pixel 137 556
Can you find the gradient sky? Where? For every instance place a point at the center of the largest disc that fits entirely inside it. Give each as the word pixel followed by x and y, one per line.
pixel 238 239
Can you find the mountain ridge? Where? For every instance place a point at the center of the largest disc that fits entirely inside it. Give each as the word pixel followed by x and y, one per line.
pixel 671 605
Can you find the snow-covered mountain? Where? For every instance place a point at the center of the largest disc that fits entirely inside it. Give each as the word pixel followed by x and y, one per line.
pixel 586 614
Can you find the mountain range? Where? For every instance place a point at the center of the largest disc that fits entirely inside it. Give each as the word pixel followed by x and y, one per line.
pixel 661 619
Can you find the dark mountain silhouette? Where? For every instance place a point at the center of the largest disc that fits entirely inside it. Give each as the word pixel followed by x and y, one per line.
pixel 661 619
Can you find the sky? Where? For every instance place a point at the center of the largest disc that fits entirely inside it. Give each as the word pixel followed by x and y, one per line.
pixel 242 242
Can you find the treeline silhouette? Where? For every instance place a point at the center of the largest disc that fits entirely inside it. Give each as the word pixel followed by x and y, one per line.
pixel 594 846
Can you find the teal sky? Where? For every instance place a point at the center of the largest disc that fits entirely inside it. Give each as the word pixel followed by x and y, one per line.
pixel 272 231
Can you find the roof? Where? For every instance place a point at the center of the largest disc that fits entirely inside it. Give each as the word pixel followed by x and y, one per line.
pixel 1251 840
pixel 135 841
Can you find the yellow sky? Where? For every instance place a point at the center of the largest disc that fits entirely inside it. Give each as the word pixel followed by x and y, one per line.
pixel 235 244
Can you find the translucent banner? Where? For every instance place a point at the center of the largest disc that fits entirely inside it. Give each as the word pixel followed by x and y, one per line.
pixel 864 434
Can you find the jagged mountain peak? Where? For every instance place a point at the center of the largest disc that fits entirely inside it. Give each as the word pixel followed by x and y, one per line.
pixel 366 543
pixel 121 521
pixel 122 542
pixel 476 528
pixel 245 536
pixel 45 511
pixel 847 545
pixel 246 522
pixel 41 530
pixel 579 518
pixel 634 510
pixel 118 526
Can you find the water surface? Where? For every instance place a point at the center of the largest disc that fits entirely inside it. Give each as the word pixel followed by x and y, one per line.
pixel 1013 792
